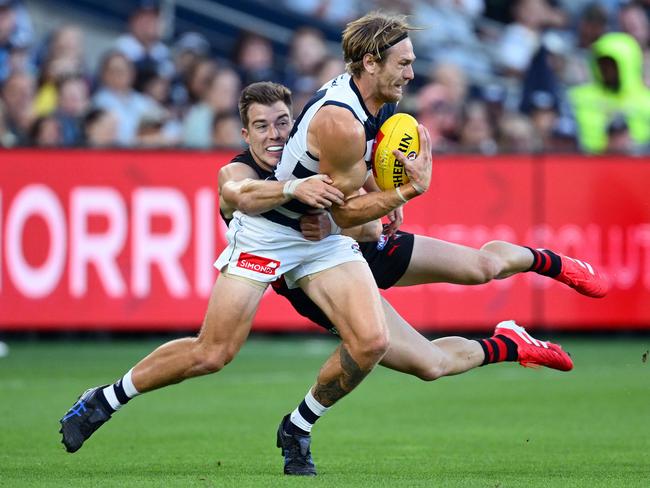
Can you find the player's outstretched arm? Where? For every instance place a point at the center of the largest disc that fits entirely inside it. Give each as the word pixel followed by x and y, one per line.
pixel 240 189
pixel 341 143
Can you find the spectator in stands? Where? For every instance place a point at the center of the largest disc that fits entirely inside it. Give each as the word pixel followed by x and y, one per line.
pixel 220 98
pixel 522 38
pixel 438 113
pixel 476 134
pixel 563 136
pixel 63 57
pixel 18 98
pixel 307 52
pixel 454 79
pixel 15 34
pixel 143 43
pixel 99 128
pixel 517 135
pixel 226 130
pixel 543 99
pixel 52 71
pixel 617 91
pixel 450 36
pixel 199 79
pixel 440 105
pixel 68 43
pixel 633 20
pixel 117 95
pixel 152 132
pixel 45 132
pixel 156 87
pixel 619 140
pixel 73 101
pixel 494 96
pixel 253 56
pixel 592 23
pixel 330 67
pixel 189 48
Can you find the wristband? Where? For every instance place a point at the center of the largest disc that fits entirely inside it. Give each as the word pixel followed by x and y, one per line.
pixel 290 186
pixel 417 187
pixel 400 195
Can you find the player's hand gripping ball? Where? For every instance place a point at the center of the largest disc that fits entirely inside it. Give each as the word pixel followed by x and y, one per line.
pixel 400 132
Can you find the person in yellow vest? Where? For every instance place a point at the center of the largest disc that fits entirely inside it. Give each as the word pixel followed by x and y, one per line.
pixel 617 92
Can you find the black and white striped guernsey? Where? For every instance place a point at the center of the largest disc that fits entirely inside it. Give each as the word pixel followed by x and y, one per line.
pixel 296 160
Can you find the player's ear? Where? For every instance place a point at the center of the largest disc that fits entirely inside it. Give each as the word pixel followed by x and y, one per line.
pixel 370 63
pixel 244 135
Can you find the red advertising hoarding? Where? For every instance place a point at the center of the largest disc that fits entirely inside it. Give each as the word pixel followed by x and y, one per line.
pixel 125 240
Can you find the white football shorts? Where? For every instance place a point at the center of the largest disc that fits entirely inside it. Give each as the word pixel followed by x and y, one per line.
pixel 263 251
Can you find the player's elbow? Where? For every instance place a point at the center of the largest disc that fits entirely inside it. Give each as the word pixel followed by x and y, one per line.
pixel 247 204
pixel 343 220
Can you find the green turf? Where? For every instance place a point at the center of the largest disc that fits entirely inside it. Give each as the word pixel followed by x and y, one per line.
pixel 500 426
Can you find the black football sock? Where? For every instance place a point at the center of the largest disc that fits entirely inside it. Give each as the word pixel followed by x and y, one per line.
pixel 497 349
pixel 545 262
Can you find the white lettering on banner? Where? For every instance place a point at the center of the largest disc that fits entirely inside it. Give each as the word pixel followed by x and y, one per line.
pixel 183 254
pixel 204 219
pixel 41 201
pixel 100 250
pixel 623 252
pixel 165 250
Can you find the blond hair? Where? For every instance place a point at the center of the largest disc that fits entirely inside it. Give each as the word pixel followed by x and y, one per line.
pixel 373 34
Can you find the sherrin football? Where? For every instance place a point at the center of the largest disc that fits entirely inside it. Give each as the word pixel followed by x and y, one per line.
pixel 400 132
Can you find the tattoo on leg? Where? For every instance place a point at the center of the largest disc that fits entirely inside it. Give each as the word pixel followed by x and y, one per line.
pixel 329 393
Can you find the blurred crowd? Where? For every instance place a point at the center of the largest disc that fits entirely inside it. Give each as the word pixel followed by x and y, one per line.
pixel 494 76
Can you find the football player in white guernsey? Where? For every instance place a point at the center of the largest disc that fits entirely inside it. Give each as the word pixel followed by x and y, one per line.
pixel 401 260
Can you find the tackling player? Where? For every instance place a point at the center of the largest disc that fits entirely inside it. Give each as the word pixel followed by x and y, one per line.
pixel 262 248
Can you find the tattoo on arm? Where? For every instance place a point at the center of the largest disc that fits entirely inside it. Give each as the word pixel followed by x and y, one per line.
pixel 329 393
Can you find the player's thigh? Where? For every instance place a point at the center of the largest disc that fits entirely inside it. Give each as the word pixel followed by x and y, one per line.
pixel 348 295
pixel 231 309
pixel 409 351
pixel 437 261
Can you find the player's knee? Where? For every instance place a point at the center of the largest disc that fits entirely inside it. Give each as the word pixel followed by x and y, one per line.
pixel 371 348
pixel 211 359
pixel 431 373
pixel 434 370
pixel 487 268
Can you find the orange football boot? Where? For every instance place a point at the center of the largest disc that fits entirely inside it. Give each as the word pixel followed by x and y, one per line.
pixel 532 352
pixel 583 277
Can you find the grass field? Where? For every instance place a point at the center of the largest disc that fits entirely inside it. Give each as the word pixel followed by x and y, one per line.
pixel 500 426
